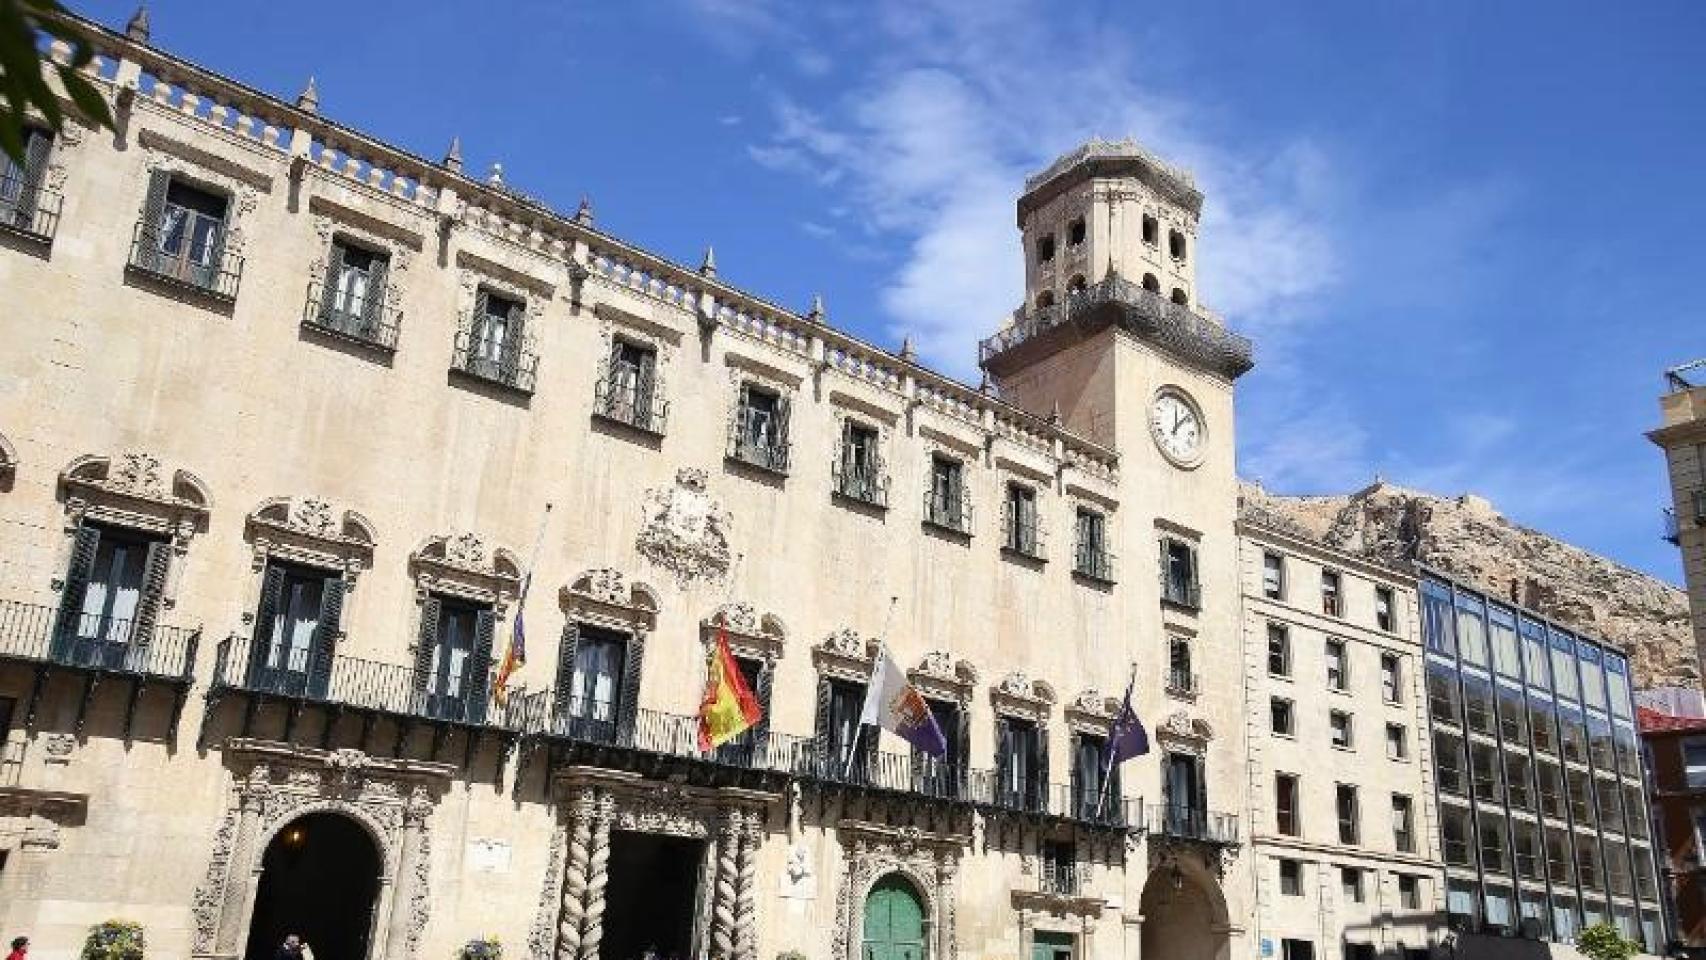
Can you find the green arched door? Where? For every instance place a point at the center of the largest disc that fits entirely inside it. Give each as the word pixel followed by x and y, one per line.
pixel 894 922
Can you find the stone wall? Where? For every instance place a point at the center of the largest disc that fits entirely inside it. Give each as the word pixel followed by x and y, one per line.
pixel 1469 539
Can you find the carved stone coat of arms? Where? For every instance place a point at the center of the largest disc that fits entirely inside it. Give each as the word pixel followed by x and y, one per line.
pixel 686 533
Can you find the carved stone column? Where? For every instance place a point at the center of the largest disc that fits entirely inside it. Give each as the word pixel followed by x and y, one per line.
pixel 405 882
pixel 727 890
pixel 597 874
pixel 573 917
pixel 746 902
pixel 240 872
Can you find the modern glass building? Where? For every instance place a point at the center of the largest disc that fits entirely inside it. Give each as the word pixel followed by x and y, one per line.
pixel 1542 810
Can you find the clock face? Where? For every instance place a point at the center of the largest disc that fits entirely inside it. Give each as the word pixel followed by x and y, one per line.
pixel 1178 427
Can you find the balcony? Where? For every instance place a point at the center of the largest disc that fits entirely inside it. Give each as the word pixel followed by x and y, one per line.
pixel 1093 562
pixel 1182 822
pixel 1060 878
pixel 355 684
pixel 1181 591
pixel 862 480
pixel 29 211
pixel 1182 683
pixel 948 510
pixel 1021 534
pixel 755 441
pixel 376 324
pixel 204 267
pixel 623 398
pixel 508 362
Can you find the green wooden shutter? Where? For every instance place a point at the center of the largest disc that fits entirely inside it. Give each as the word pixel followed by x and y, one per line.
pixel 272 591
pixel 779 452
pixel 822 760
pixel 1003 761
pixel 329 294
pixel 761 692
pixel 85 544
pixel 476 331
pixel 213 277
pixel 148 255
pixel 326 635
pixel 644 389
pixel 565 669
pixel 1039 783
pixel 426 641
pixel 628 707
pixel 1077 780
pixel 34 170
pixel 1163 566
pixel 153 593
pixel 477 681
pixel 373 309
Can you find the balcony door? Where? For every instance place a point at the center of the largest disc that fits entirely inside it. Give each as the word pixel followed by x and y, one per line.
pixel 453 659
pixel 295 631
pixel 1184 794
pixel 1021 764
pixel 186 227
pixel 112 589
pixel 632 370
pixel 595 684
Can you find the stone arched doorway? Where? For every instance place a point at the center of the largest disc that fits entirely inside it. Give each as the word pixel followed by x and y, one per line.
pixel 894 923
pixel 1184 915
pixel 319 879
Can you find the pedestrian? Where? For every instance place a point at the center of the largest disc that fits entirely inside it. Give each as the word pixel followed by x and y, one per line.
pixel 294 948
pixel 20 948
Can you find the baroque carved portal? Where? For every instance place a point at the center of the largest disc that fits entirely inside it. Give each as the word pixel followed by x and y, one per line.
pixel 276 783
pixel 929 861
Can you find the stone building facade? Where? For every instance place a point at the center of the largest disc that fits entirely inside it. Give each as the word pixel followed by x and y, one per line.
pixel 281 414
pixel 1682 436
pixel 1341 782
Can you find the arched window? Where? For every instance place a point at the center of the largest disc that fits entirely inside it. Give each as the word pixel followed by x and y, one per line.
pixel 1176 244
pixel 1045 299
pixel 1151 284
pixel 1075 232
pixel 1151 230
pixel 1045 249
pixel 1180 297
pixel 1076 284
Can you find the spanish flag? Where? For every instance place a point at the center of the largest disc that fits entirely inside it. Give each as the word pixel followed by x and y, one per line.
pixel 729 708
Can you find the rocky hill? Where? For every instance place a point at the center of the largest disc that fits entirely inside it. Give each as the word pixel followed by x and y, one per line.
pixel 1467 538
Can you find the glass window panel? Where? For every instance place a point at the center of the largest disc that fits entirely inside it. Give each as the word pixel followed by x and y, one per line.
pixel 1484 766
pixel 1513 716
pixel 1593 679
pixel 1566 923
pixel 1454 834
pixel 1449 763
pixel 1549 788
pixel 1560 858
pixel 1542 726
pixel 1493 843
pixel 1471 630
pixel 1519 779
pixel 1445 704
pixel 1600 749
pixel 1634 811
pixel 1617 680
pixel 1573 735
pixel 1500 917
pixel 1532 914
pixel 1525 849
pixel 1460 901
pixel 1501 631
pixel 1478 704
pixel 1588 867
pixel 1582 808
pixel 1535 654
pixel 1564 665
pixel 1437 629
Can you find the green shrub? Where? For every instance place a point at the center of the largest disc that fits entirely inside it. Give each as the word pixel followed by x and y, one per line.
pixel 1602 942
pixel 790 955
pixel 481 948
pixel 114 940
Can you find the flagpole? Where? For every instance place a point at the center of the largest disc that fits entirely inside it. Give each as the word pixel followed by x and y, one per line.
pixel 1108 764
pixel 502 694
pixel 882 650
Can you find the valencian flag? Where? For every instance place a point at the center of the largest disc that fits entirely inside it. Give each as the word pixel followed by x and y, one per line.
pixel 1127 739
pixel 729 708
pixel 893 703
pixel 516 656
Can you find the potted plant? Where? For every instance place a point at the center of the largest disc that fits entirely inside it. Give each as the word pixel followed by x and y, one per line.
pixel 114 940
pixel 481 948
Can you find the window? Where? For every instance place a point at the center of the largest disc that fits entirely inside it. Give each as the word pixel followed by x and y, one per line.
pixel 1694 761
pixel 859 470
pixel 1286 813
pixel 295 628
pixel 1279 650
pixel 595 683
pixel 1501 634
pixel 1151 284
pixel 1397 742
pixel 1391 678
pixel 1471 630
pixel 1513 715
pixel 1045 299
pixel 945 503
pixel 1484 770
pixel 1560 863
pixel 1350 816
pixel 1338 665
pixel 1445 702
pixel 1350 879
pixel 1587 862
pixel 1077 284
pixel 1093 802
pixel 1045 248
pixel 1282 719
pixel 759 435
pixel 1454 834
pixel 1478 704
pixel 627 393
pixel 20 186
pixel 1340 724
pixel 1492 830
pixel 1060 867
pixel 1541 728
pixel 1023 535
pixel 1151 230
pixel 1020 761
pixel 182 234
pixel 452 658
pixel 1572 735
pixel 1273 576
pixel 354 292
pixel 1580 793
pixel 1549 785
pixel 496 344
pixel 1385 617
pixel 1180 297
pixel 1075 232
pixel 1180 678
pixel 1518 779
pixel 1409 892
pixel 1525 848
pixel 1403 824
pixel 945 776
pixel 1332 604
pixel 1296 949
pixel 1091 558
pixel 1291 878
pixel 1179 572
pixel 846 747
pixel 1176 245
pixel 114 586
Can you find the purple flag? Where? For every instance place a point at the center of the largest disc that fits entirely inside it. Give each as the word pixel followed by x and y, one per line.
pixel 1127 739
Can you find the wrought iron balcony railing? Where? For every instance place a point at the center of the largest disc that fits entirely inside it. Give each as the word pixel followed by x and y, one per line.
pixel 36 633
pixel 1181 682
pixel 755 440
pixel 1021 534
pixel 510 363
pixel 206 267
pixel 375 324
pixel 1093 562
pixel 1187 822
pixel 1180 591
pixel 863 480
pixel 29 209
pixel 362 685
pixel 948 510
pixel 631 401
pixel 650 732
pixel 1060 878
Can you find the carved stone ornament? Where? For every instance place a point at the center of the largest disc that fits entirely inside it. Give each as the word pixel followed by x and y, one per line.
pixel 311 530
pixel 1016 684
pixel 466 549
pixel 847 643
pixel 1181 726
pixel 134 489
pixel 136 473
pixel 607 586
pixel 686 532
pixel 313 517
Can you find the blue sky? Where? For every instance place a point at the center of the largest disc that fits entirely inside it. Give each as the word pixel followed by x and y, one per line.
pixel 1465 237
